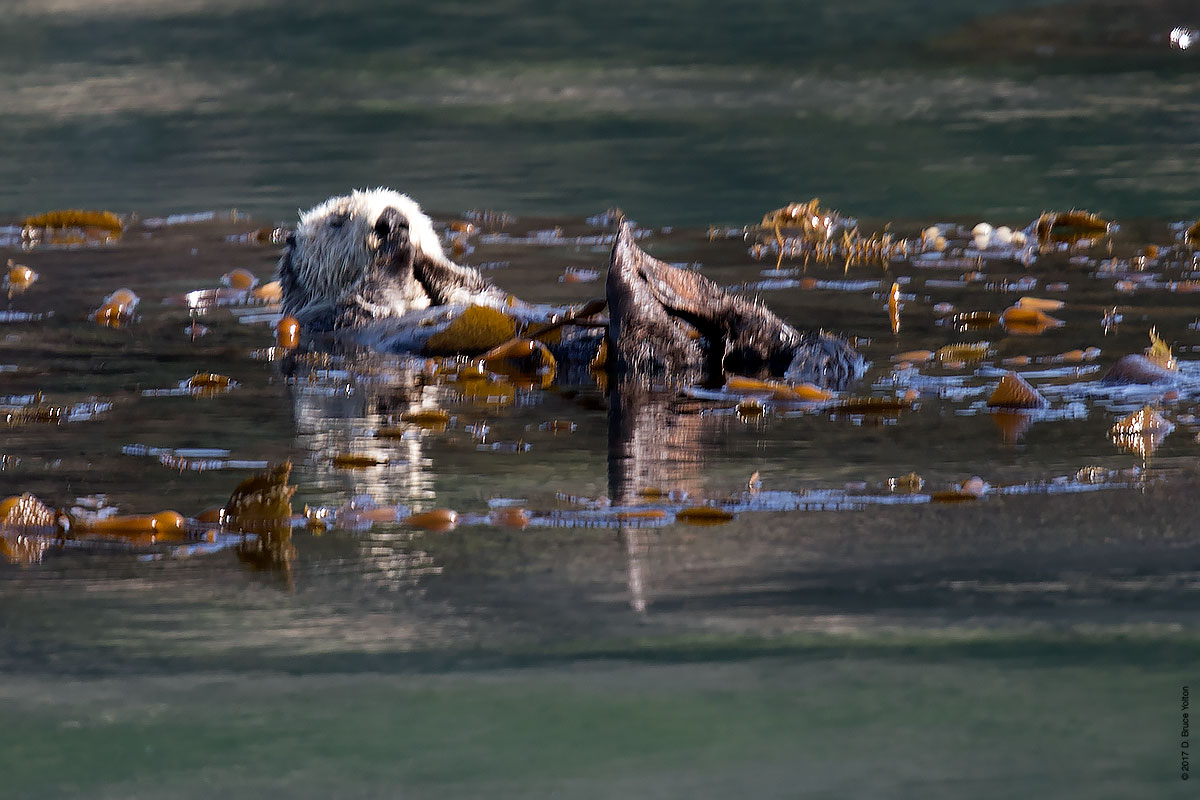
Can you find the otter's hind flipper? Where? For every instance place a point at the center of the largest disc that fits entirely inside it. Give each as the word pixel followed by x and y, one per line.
pixel 643 338
pixel 742 336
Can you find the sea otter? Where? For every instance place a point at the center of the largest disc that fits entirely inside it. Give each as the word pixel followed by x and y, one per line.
pixel 370 264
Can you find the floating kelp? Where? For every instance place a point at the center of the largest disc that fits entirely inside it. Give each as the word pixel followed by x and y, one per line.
pixel 239 278
pixel 1144 420
pixel 967 352
pixel 779 390
pixel 427 417
pixel 974 320
pixel 813 237
pixel 438 520
pixel 26 511
pixel 522 360
pixel 1013 391
pixel 18 278
pixel 118 309
pixel 358 460
pixel 1159 352
pixel 750 409
pixel 909 484
pixel 874 405
pixel 893 306
pixel 1141 432
pixel 704 515
pixel 914 356
pixel 1026 319
pixel 971 489
pixel 1192 235
pixel 510 517
pixel 1040 304
pixel 263 502
pixel 208 383
pixel 38 411
pixel 164 526
pixel 71 227
pixel 287 333
pixel 1070 226
pixel 814 223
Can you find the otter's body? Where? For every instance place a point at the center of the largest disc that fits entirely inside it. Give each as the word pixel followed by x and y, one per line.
pixel 372 259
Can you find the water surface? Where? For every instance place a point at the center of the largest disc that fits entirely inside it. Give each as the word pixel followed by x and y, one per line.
pixel 835 638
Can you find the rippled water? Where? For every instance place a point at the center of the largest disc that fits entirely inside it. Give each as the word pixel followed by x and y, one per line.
pixel 836 637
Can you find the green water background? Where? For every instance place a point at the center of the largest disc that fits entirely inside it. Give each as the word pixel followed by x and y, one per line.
pixel 523 672
pixel 679 112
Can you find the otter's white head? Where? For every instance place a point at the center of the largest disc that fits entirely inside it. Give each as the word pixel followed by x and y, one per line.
pixel 359 257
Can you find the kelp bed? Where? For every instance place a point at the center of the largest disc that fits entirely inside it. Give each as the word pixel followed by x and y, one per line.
pixel 157 408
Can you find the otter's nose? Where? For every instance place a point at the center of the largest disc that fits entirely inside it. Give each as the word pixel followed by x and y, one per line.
pixel 391 225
